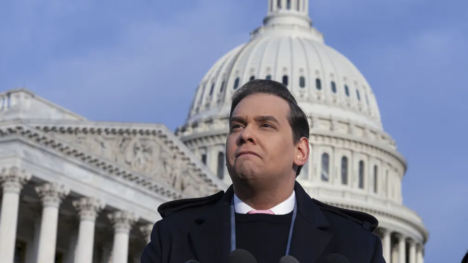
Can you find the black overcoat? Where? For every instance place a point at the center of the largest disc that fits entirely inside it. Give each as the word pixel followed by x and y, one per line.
pixel 200 229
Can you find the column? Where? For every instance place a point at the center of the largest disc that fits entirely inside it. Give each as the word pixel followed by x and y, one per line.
pixel 419 254
pixel 146 230
pixel 387 244
pixel 88 209
pixel 412 251
pixel 51 195
pixel 401 248
pixel 12 180
pixel 122 222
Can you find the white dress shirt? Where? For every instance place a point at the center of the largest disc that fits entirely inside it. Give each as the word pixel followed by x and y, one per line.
pixel 283 208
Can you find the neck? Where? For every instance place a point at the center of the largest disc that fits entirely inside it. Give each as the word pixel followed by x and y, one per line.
pixel 263 198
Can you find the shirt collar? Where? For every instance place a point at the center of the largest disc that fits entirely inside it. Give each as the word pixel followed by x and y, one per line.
pixel 283 208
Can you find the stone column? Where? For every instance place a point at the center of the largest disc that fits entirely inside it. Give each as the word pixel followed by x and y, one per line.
pixel 146 230
pixel 387 244
pixel 88 209
pixel 122 222
pixel 401 248
pixel 419 254
pixel 51 195
pixel 412 251
pixel 12 180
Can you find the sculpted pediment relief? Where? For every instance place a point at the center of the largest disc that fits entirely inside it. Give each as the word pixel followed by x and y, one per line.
pixel 145 154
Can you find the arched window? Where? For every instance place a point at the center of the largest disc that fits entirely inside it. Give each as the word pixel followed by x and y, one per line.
pixel 302 82
pixel 346 89
pixel 212 89
pixel 358 95
pixel 333 86
pixel 278 3
pixel 203 159
pixel 236 83
pixel 222 86
pixel 376 171
pixel 344 170
pixel 252 77
pixel 325 167
pixel 361 175
pixel 288 4
pixel 268 77
pixel 220 171
pixel 318 84
pixel 285 80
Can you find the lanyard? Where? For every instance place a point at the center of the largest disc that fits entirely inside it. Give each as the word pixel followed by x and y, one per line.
pixel 233 227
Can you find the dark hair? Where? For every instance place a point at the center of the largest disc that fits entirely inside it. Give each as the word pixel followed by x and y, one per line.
pixel 297 118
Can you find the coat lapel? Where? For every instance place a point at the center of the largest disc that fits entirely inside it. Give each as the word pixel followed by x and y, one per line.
pixel 310 237
pixel 210 237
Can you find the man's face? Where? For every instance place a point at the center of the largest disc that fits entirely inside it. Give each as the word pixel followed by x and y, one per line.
pixel 260 143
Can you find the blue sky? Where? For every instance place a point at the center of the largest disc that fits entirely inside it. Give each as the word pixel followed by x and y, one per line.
pixel 140 61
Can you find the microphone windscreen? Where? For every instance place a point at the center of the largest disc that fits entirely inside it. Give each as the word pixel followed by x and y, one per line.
pixel 335 258
pixel 241 256
pixel 192 261
pixel 288 259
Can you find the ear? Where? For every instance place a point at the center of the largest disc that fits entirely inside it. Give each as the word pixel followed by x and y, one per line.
pixel 302 152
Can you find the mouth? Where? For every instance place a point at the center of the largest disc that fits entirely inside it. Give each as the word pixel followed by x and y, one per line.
pixel 246 153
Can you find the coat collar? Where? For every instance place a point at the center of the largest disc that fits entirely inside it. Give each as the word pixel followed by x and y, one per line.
pixel 211 238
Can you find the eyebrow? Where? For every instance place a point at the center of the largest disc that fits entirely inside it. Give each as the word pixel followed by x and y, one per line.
pixel 257 119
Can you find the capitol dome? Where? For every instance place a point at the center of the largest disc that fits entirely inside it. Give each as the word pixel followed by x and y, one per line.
pixel 353 163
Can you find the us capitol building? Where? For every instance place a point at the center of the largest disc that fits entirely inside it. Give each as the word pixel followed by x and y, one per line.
pixel 80 191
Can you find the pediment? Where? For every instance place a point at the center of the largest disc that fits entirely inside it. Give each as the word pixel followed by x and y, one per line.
pixel 152 151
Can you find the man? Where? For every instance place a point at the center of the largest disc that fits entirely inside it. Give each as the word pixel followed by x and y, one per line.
pixel 265 211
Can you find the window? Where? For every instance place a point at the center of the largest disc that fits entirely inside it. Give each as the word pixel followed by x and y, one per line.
pixel 376 171
pixel 252 78
pixel 361 174
pixel 278 3
pixel 222 87
pixel 285 80
pixel 346 89
pixel 288 4
pixel 220 165
pixel 358 95
pixel 344 170
pixel 318 84
pixel 298 4
pixel 236 83
pixel 212 89
pixel 367 100
pixel 268 77
pixel 302 82
pixel 203 159
pixel 333 86
pixel 325 167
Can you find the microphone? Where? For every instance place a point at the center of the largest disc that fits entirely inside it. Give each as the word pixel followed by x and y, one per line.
pixel 241 256
pixel 192 261
pixel 288 259
pixel 335 258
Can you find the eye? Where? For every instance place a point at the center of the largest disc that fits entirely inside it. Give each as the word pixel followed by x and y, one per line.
pixel 235 126
pixel 267 125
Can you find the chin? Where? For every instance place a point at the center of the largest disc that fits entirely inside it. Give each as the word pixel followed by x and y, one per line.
pixel 247 172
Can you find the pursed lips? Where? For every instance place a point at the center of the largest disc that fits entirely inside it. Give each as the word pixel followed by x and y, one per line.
pixel 246 153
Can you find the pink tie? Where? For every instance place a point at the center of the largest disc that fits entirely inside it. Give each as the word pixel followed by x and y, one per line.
pixel 267 212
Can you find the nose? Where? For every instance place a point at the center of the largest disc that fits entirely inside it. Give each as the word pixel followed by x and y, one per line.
pixel 247 135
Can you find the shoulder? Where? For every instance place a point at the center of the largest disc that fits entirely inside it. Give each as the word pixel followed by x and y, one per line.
pixel 351 217
pixel 179 206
